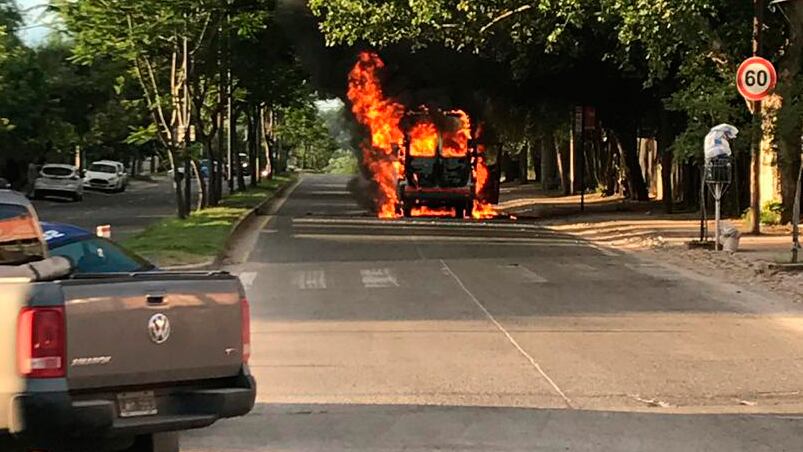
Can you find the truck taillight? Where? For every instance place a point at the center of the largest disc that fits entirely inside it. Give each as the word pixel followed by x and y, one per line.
pixel 41 342
pixel 246 329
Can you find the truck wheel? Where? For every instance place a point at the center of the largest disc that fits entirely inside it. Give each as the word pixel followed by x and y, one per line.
pixel 408 211
pixel 77 197
pixel 156 442
pixel 469 210
pixel 459 212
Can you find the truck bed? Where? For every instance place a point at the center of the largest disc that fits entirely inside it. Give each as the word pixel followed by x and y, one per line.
pixel 145 352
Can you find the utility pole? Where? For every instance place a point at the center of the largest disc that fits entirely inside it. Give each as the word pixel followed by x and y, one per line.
pixel 755 145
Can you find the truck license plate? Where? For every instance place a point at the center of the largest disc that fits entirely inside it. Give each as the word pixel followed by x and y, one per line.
pixel 134 404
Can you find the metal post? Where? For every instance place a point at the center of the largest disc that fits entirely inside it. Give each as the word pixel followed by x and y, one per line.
pixel 703 216
pixel 717 214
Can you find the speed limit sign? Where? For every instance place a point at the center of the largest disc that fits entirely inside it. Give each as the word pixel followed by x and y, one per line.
pixel 756 78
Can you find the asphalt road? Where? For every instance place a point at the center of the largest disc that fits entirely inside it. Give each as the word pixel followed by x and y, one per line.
pixel 448 335
pixel 129 212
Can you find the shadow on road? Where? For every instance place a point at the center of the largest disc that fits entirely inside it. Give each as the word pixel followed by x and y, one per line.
pixel 417 427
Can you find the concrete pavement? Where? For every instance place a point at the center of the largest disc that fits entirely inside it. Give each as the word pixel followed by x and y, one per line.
pixel 429 335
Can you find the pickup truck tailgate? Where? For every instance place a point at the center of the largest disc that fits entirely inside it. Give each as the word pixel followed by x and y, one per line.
pixel 157 328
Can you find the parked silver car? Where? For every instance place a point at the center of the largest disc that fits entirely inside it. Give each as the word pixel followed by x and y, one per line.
pixel 59 180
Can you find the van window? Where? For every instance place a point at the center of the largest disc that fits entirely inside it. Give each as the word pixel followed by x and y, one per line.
pixel 20 242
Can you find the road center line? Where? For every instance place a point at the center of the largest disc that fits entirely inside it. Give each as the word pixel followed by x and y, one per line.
pixel 510 338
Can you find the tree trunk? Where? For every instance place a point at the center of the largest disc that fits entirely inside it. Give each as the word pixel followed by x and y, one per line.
pixel 211 186
pixel 524 150
pixel 265 120
pixel 187 183
pixel 562 151
pixel 628 147
pixel 177 189
pixel 202 189
pixel 664 139
pixel 238 166
pixel 253 166
pixel 549 163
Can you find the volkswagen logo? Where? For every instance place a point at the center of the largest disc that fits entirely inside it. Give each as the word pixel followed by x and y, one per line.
pixel 159 328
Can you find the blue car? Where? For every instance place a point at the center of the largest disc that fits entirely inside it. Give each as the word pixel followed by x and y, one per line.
pixel 90 253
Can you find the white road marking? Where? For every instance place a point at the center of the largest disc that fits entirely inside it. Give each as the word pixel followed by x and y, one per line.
pixel 378 278
pixel 310 280
pixel 248 278
pixel 522 273
pixel 446 269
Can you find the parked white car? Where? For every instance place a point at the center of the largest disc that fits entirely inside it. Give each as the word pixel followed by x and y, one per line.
pixel 59 180
pixel 106 175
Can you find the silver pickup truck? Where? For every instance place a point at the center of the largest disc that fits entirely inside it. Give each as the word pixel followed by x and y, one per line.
pixel 112 361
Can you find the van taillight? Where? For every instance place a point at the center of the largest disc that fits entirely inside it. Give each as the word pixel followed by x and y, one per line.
pixel 246 329
pixel 41 342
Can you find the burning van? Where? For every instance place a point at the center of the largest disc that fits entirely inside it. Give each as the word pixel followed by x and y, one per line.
pixel 439 159
pixel 422 162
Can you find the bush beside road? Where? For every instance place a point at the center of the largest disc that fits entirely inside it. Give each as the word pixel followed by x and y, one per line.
pixel 203 236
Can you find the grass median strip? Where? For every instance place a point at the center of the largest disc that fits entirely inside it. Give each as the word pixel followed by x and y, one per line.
pixel 203 235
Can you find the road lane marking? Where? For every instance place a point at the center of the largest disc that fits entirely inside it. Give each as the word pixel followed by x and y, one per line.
pixel 378 278
pixel 447 270
pixel 520 272
pixel 310 280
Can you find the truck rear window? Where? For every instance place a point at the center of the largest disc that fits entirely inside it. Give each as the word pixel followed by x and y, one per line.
pixel 20 242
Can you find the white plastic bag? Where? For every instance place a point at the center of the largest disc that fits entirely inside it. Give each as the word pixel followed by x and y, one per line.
pixel 716 142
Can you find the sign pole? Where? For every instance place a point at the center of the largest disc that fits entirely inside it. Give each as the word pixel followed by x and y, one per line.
pixel 755 142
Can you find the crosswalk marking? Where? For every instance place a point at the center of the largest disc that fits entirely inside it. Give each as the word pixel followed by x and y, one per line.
pixel 377 278
pixel 310 280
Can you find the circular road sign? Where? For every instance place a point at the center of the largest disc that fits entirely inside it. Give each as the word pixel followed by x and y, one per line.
pixel 756 78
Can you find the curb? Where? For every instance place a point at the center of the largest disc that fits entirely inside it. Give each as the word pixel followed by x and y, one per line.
pixel 216 262
pixel 237 226
pixel 790 268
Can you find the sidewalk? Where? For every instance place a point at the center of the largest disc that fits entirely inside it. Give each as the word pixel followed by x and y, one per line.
pixel 643 228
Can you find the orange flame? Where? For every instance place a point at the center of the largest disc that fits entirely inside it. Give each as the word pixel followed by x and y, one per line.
pixel 423 140
pixel 381 116
pixel 482 210
pixel 455 142
pixel 424 211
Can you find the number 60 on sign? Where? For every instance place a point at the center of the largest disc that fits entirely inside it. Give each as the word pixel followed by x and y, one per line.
pixel 756 78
